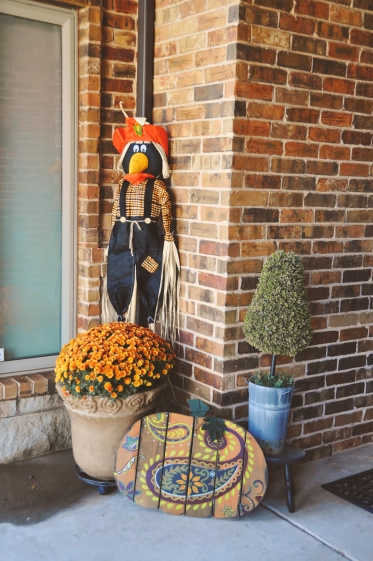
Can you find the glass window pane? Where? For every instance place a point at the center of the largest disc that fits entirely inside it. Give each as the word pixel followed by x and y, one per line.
pixel 30 187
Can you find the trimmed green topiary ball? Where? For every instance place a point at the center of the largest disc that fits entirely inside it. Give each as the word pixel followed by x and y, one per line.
pixel 278 318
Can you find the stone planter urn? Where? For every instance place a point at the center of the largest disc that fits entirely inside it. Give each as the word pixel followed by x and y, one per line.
pixel 98 425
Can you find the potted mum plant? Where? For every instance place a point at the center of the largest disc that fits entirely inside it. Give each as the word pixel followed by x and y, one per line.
pixel 108 378
pixel 278 321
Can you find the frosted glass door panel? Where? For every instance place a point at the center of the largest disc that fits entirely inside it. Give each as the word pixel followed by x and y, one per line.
pixel 30 187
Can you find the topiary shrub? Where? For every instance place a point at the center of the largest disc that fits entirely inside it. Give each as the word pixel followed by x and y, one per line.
pixel 278 318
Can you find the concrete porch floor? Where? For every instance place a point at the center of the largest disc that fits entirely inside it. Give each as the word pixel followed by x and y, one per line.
pixel 47 514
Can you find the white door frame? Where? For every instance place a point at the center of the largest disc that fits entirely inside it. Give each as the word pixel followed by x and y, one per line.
pixel 68 21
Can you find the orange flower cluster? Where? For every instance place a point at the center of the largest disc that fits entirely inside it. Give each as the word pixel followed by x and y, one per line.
pixel 113 360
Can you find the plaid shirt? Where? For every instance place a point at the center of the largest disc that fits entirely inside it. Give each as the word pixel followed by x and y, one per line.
pixel 135 198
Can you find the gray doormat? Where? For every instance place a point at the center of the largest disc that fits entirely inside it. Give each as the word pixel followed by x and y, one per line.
pixel 356 489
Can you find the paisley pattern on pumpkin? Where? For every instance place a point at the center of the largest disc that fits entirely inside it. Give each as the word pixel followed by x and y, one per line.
pixel 176 478
pixel 181 471
pixel 176 433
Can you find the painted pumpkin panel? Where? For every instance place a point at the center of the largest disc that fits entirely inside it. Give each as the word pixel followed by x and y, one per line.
pixel 176 467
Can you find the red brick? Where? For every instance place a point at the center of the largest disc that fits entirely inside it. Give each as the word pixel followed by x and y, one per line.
pixel 340 14
pixel 305 80
pixel 302 115
pixel 281 199
pixel 334 153
pixel 296 215
pixel 322 168
pixel 324 135
pixel 363 122
pixel 308 45
pixel 362 154
pixel 356 137
pixel 366 56
pixel 353 333
pixel 301 149
pixel 254 91
pixel 267 74
pixel 359 37
pixel 125 6
pixel 255 146
pixel 331 185
pixel 265 111
pixel 319 200
pixel 317 232
pixel 208 378
pixel 284 5
pixel 252 249
pixel 294 132
pixel 263 181
pixel 335 119
pixel 358 105
pixel 283 165
pixel 326 100
pixel 297 25
pixel 356 170
pixel 338 86
pixel 331 31
pixel 292 96
pixel 251 128
pixel 294 60
pixel 318 10
pixel 284 232
pixel 342 51
pixel 326 66
pixel 118 54
pixel 360 72
pixel 346 444
pixel 328 247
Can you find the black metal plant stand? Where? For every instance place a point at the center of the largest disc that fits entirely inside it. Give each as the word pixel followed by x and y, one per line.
pixel 103 487
pixel 290 456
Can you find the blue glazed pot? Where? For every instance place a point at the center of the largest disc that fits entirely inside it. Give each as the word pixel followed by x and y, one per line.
pixel 269 410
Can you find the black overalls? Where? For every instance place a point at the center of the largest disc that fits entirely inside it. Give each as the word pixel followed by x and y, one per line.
pixel 136 248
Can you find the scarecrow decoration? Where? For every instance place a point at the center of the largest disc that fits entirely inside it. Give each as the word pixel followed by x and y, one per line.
pixel 142 257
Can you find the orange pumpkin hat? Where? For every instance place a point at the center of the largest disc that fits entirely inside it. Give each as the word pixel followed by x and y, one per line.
pixel 135 132
pixel 139 130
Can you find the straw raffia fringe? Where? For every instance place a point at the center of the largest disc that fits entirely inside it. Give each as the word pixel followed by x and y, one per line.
pixel 169 289
pixel 108 314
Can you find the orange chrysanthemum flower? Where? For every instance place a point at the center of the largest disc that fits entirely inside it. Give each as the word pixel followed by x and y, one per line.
pixel 128 355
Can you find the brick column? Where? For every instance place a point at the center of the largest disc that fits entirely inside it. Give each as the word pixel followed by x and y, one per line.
pixel 194 96
pixel 107 73
pixel 89 85
pixel 268 104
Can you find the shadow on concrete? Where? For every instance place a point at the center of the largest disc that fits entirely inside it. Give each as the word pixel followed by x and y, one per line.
pixel 34 490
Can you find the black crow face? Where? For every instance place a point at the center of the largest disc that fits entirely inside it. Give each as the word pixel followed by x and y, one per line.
pixel 142 158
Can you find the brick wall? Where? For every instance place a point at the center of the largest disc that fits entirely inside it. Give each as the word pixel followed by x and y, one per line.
pixel 269 104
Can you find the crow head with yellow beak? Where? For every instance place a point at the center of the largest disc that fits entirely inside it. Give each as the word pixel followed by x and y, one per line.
pixel 143 148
